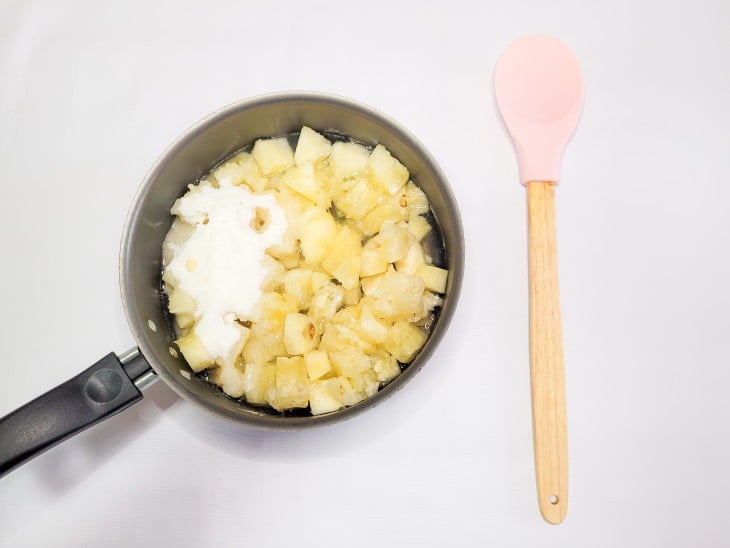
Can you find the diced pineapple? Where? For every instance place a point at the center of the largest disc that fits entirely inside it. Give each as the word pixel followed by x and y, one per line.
pixel 414 199
pixel 430 301
pixel 350 362
pixel 343 259
pixel 348 159
pixel 387 210
pixel 293 203
pixel 229 173
pixel 255 351
pixel 357 200
pixel 326 301
pixel 385 366
pixel 270 313
pixel 434 277
pixel 301 179
pixel 273 155
pixel 181 303
pixel 370 383
pixel 300 334
pixel 311 147
pixel 170 280
pixel 275 274
pixel 317 364
pixel 194 352
pixel 413 259
pixel 397 295
pixel 404 341
pixel 184 321
pixel 418 226
pixel 319 279
pixel 371 327
pixel 326 396
pixel 316 234
pixel 230 378
pixel 372 259
pixel 258 379
pixel 291 384
pixel 298 284
pixel 339 337
pixel 352 296
pixel 386 171
pixel 250 172
pixel 394 241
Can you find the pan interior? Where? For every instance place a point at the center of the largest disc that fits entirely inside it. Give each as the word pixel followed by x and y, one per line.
pixel 206 145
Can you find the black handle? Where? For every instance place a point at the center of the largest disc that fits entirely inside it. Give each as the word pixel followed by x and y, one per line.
pixel 101 391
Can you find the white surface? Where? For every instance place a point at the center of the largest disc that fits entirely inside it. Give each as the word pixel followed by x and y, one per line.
pixel 91 93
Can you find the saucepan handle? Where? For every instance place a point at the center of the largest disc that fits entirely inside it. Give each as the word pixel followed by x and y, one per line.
pixel 107 387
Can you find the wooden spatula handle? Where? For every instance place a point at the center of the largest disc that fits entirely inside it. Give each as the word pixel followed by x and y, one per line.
pixel 546 356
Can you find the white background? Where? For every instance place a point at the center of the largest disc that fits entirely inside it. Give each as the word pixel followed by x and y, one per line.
pixel 92 92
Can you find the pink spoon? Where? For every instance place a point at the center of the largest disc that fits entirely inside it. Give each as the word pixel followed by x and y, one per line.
pixel 539 90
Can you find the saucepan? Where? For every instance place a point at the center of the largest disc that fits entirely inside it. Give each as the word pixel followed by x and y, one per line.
pixel 116 381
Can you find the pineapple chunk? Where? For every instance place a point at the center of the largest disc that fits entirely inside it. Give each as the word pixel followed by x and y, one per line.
pixel 184 321
pixel 404 341
pixel 394 241
pixel 339 337
pixel 230 378
pixel 181 303
pixel 373 261
pixel 170 280
pixel 311 147
pixel 414 199
pixel 385 366
pixel 418 226
pixel 316 234
pixel 326 301
pixel 273 155
pixel 357 200
pixel 271 312
pixel 387 210
pixel 291 384
pixel 317 364
pixel 343 259
pixel 434 277
pixel 250 172
pixel 256 352
pixel 413 259
pixel 319 279
pixel 397 295
pixel 350 362
pixel 229 173
pixel 298 285
pixel 361 323
pixel 430 301
pixel 258 380
pixel 301 179
pixel 300 334
pixel 326 396
pixel 348 159
pixel 194 352
pixel 352 296
pixel 371 327
pixel 275 274
pixel 385 171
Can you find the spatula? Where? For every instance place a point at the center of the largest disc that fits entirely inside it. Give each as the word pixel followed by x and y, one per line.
pixel 539 90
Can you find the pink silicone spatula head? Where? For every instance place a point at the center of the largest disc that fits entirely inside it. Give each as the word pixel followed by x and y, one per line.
pixel 539 90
